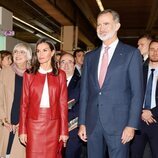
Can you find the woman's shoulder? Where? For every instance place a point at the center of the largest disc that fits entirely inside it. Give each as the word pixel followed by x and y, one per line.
pixel 7 71
pixel 28 75
pixel 61 72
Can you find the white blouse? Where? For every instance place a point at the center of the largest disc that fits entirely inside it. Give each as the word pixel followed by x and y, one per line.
pixel 45 94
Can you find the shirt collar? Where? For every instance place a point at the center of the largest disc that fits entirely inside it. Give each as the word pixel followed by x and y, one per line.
pixel 112 45
pixel 42 71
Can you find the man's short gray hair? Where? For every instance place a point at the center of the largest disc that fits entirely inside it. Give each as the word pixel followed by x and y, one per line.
pixel 115 15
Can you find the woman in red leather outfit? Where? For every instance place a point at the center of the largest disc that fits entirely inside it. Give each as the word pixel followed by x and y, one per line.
pixel 43 113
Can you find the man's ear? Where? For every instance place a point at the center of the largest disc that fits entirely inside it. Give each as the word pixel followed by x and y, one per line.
pixel 118 25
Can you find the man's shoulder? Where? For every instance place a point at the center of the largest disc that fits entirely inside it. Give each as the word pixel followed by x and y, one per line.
pixel 76 77
pixel 126 47
pixel 93 52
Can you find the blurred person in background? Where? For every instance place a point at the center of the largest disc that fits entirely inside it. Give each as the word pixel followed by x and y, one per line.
pixel 79 58
pixel 6 58
pixel 148 132
pixel 57 57
pixel 67 64
pixel 11 79
pixel 143 46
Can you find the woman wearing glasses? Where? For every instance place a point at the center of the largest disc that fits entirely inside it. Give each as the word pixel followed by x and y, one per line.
pixel 10 92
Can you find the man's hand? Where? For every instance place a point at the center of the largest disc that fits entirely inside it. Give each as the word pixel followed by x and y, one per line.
pixel 147 117
pixel 82 133
pixel 127 135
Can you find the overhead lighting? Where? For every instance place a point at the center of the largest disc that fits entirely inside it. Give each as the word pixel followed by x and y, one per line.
pixel 24 27
pixel 100 5
pixel 35 28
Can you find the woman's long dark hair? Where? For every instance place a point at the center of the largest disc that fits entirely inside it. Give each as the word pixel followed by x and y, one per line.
pixel 35 62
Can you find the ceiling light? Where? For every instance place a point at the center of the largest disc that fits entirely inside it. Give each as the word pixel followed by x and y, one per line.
pixel 100 5
pixel 23 27
pixel 35 28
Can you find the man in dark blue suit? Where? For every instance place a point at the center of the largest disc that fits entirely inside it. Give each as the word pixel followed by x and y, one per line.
pixel 73 147
pixel 79 58
pixel 148 132
pixel 110 110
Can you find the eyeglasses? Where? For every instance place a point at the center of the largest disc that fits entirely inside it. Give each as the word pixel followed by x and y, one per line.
pixel 63 62
pixel 19 52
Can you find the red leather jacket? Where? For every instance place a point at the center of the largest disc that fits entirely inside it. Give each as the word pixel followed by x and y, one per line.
pixel 31 96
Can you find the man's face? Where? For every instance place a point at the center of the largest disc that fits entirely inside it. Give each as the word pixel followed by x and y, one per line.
pixel 107 27
pixel 143 45
pixel 67 64
pixel 153 52
pixel 79 58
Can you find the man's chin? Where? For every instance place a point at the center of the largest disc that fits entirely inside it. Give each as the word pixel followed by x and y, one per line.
pixel 104 38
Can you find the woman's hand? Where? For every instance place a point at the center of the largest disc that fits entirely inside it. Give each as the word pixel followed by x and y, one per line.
pixel 23 139
pixel 63 138
pixel 15 128
pixel 7 125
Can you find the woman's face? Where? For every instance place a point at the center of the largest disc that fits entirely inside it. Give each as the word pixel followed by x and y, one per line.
pixel 44 53
pixel 19 56
pixel 7 61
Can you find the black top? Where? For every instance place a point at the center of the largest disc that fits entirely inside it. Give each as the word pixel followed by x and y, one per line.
pixel 16 100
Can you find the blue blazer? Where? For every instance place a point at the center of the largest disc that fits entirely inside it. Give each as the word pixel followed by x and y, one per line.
pixel 119 102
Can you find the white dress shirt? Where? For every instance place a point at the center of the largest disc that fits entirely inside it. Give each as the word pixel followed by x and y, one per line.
pixel 68 80
pixel 111 50
pixel 45 94
pixel 153 93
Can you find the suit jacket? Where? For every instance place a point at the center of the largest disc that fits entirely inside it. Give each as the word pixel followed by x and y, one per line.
pixel 76 72
pixel 119 102
pixel 31 97
pixel 74 93
pixel 155 109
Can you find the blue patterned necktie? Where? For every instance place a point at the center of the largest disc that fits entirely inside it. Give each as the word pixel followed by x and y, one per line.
pixel 147 103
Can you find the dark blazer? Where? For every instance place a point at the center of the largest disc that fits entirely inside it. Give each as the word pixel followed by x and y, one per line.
pixel 119 102
pixel 74 143
pixel 155 109
pixel 74 93
pixel 77 72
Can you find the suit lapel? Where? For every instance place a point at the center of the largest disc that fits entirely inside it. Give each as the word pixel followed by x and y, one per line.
pixel 72 83
pixel 115 60
pixel 145 73
pixel 95 63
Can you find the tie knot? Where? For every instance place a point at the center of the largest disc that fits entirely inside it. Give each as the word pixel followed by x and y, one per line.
pixel 106 49
pixel 152 70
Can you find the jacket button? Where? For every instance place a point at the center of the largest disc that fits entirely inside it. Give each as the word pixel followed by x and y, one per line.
pixel 99 93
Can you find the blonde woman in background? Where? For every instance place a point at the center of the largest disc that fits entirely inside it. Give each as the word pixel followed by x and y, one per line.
pixel 10 92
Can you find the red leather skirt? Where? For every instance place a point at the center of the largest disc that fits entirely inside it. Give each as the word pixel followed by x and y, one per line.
pixel 42 136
